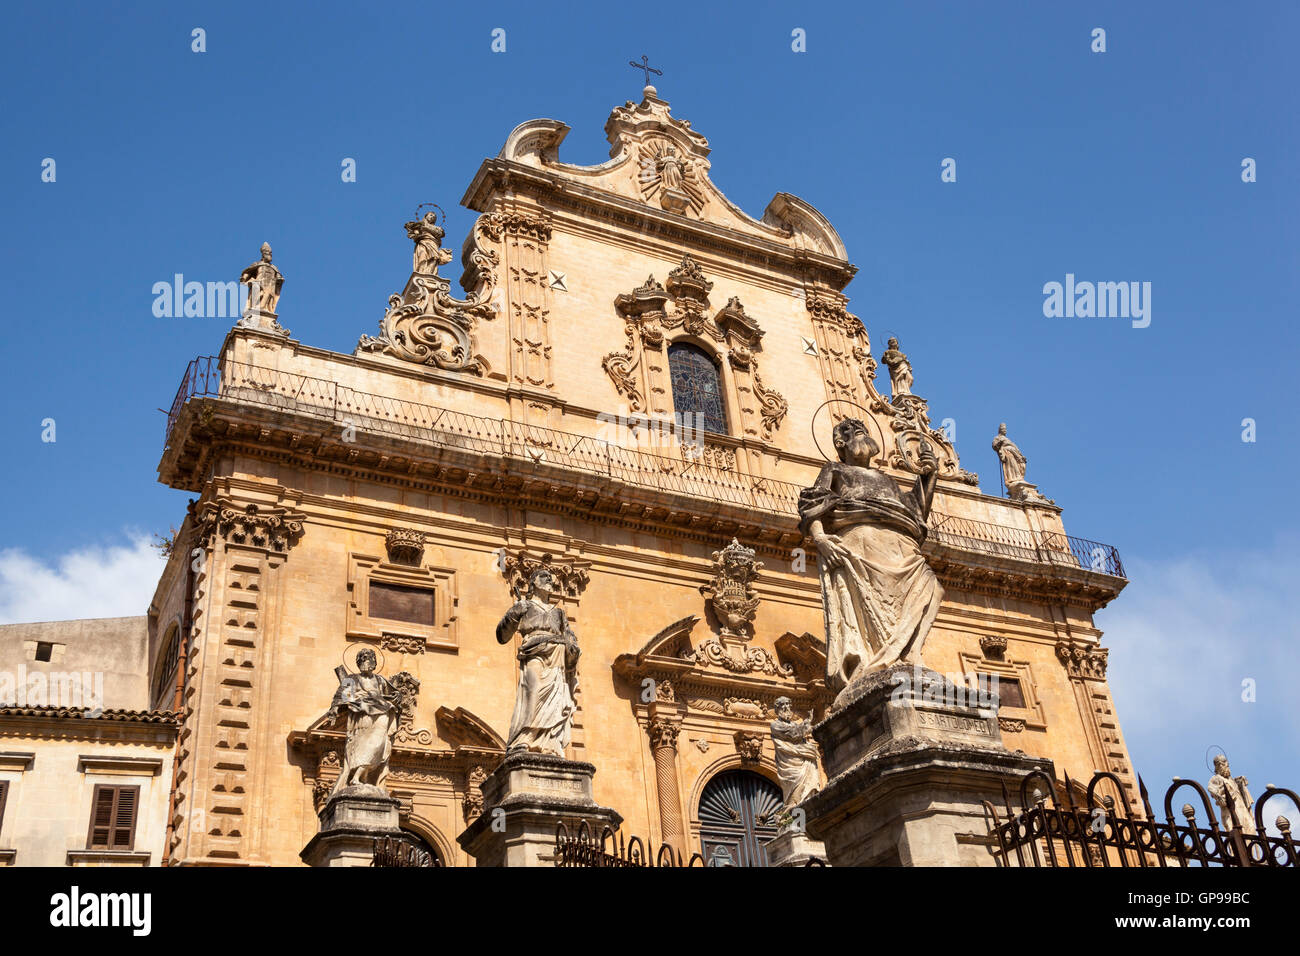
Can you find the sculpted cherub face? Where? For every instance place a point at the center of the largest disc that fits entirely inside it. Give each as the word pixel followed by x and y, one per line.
pixel 854 443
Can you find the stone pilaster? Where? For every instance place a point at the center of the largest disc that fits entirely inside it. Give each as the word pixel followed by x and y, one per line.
pixel 221 770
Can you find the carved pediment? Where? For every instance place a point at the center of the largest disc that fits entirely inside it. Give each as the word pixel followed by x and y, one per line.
pixel 662 162
pixel 460 728
pixel 729 679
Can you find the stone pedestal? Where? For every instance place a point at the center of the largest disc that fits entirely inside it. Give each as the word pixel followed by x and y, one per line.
pixel 909 757
pixel 524 800
pixel 794 848
pixel 349 825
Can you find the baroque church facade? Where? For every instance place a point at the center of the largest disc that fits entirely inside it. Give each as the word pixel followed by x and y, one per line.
pixel 632 388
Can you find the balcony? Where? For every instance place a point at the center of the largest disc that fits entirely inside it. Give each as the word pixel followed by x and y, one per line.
pixel 529 447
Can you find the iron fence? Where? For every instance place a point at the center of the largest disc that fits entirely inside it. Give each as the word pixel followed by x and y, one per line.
pixel 396 852
pixel 535 446
pixel 1094 831
pixel 581 849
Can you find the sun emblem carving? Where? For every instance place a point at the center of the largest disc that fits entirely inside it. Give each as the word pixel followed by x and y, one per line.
pixel 668 177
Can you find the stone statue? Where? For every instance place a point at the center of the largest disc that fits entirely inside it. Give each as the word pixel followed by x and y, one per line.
pixel 264 282
pixel 900 369
pixel 1229 792
pixel 1013 460
pixel 373 705
pixel 1013 468
pixel 879 594
pixel 796 755
pixel 428 236
pixel 548 675
pixel 670 169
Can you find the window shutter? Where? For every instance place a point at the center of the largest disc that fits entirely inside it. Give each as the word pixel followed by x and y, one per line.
pixel 124 818
pixel 4 793
pixel 112 818
pixel 101 816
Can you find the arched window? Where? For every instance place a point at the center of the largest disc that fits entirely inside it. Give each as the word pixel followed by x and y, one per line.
pixel 165 668
pixel 697 389
pixel 738 816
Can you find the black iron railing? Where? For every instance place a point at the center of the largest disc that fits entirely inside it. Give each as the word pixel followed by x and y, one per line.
pixel 581 849
pixel 1097 831
pixel 533 445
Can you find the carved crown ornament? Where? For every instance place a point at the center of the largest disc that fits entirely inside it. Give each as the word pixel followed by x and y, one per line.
pixel 731 593
pixel 261 526
pixel 424 323
pixel 405 545
pixel 657 313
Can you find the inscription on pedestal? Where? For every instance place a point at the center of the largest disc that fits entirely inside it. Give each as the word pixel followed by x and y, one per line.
pixel 956 723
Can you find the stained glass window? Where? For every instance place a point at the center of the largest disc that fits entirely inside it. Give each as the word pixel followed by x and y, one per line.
pixel 697 393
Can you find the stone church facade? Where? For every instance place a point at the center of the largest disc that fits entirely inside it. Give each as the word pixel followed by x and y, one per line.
pixel 636 383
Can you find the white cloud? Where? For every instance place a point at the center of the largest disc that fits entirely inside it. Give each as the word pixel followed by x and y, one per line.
pixel 1184 636
pixel 92 581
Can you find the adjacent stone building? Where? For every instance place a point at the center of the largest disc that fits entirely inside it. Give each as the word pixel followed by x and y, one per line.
pixel 631 390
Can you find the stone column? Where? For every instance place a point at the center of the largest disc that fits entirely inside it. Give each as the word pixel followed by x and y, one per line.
pixel 663 745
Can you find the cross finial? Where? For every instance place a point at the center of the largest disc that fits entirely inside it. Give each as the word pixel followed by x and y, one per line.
pixel 645 65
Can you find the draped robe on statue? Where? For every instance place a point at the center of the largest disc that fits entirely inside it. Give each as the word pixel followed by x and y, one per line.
pixel 371 704
pixel 881 601
pixel 796 760
pixel 548 680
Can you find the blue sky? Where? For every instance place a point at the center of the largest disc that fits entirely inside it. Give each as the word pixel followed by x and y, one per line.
pixel 1115 166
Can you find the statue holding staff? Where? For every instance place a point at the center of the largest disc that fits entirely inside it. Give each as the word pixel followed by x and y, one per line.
pixel 548 670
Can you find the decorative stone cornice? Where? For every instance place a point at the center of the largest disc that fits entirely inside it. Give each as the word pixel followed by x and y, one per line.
pixel 258 526
pixel 570 574
pixel 1082 660
pixel 495 225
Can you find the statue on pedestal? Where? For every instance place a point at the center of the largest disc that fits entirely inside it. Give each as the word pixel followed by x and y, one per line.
pixel 428 236
pixel 879 595
pixel 900 370
pixel 373 705
pixel 264 281
pixel 1231 795
pixel 796 755
pixel 548 670
pixel 1013 468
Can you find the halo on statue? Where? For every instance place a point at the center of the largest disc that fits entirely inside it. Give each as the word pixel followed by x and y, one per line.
pixel 1209 760
pixel 440 218
pixel 354 649
pixel 865 418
